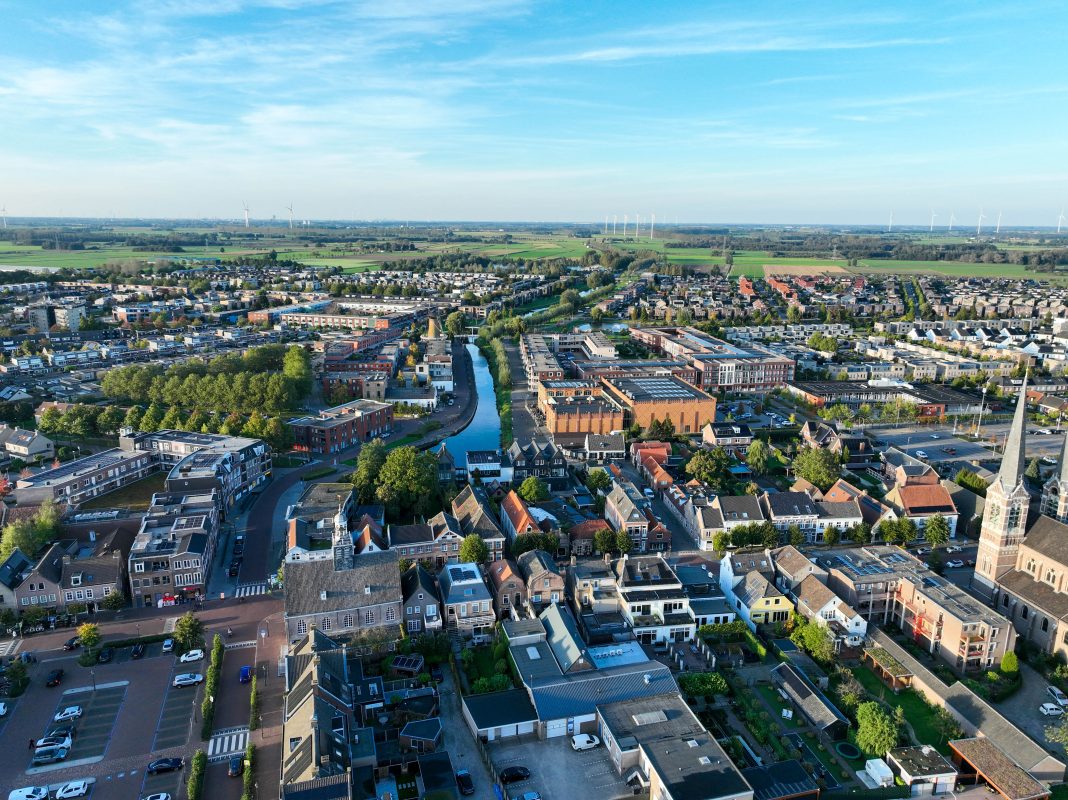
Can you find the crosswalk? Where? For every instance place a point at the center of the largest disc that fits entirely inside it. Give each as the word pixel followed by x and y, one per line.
pixel 251 589
pixel 227 743
pixel 9 646
pixel 169 624
pixel 239 645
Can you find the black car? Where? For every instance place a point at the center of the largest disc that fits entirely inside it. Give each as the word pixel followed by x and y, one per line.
pixel 464 782
pixel 55 677
pixel 164 765
pixel 514 774
pixel 235 567
pixel 138 651
pixel 236 767
pixel 105 655
pixel 62 730
pixel 73 643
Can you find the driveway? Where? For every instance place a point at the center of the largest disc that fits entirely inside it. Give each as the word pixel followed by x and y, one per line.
pixel 557 771
pixel 459 741
pixel 1022 709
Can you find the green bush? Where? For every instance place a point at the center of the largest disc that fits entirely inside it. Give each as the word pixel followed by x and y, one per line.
pixel 254 706
pixel 211 687
pixel 194 785
pixel 249 776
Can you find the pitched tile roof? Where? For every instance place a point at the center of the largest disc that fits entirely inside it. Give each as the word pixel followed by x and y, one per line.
pixel 306 581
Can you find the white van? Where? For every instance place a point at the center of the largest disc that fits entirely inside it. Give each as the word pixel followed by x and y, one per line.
pixel 29 793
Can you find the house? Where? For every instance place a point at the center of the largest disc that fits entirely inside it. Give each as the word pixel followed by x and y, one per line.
pixel 562 636
pixel 467 601
pixel 920 502
pixel 508 588
pixel 652 600
pixel 872 511
pixel 422 605
pixel 734 437
pixel 820 712
pixel 13 571
pixel 26 445
pixel 472 509
pixel 600 448
pixel 624 509
pixel 583 535
pixel 545 584
pixel 819 605
pixel 657 741
pixel 344 595
pixel 923 769
pixel 499 715
pixel 516 518
pixel 448 536
pixel 446 465
pixel 543 461
pixel 746 581
pixel 792 566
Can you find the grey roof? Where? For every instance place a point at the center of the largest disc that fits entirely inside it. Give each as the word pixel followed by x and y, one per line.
pixel 820 711
pixel 462 583
pixel 534 563
pixel 14 568
pixel 496 709
pixel 1064 460
pixel 1050 538
pixel 564 639
pixel 742 508
pixel 420 533
pixel 755 586
pixel 780 780
pixel 1013 461
pixel 844 510
pixel 791 504
pixel 922 761
pixel 428 729
pixel 418 578
pixel 345 589
pixel 579 693
pixel 471 507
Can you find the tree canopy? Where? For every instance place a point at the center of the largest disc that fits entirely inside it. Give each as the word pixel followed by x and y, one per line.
pixel 473 550
pixel 818 466
pixel 407 483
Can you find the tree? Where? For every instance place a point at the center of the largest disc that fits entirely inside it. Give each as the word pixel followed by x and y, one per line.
pixel 721 540
pixel 473 550
pixel 152 419
pixel 604 541
pixel 831 535
pixel 533 490
pixel 769 535
pixel 455 322
pixel 534 541
pixel 51 421
pixel 946 725
pixel 369 463
pixel 407 483
pixel 89 635
pixel 296 366
pixel 1034 470
pixel 710 467
pixel 860 533
pixel 797 536
pixel 624 544
pixel 110 420
pixel 598 480
pixel 188 632
pixel 876 731
pixel 1058 733
pixel 757 455
pixel 172 420
pixel 115 601
pixel 936 531
pixel 132 420
pixel 818 466
pixel 1010 664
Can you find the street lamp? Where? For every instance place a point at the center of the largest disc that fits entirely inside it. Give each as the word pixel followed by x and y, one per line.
pixel 979 425
pixel 92 674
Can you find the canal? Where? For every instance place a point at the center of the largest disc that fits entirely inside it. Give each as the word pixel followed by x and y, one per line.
pixel 484 432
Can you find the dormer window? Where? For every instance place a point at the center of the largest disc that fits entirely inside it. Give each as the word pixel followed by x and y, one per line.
pixel 76 580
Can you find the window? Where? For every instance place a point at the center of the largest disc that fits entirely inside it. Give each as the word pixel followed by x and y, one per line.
pixel 139 566
pixel 391 614
pixel 417 610
pixel 369 617
pixel 88 594
pixel 1045 624
pixel 80 595
pixel 347 621
pixel 414 625
pixel 302 627
pixel 325 624
pixel 69 596
pixel 107 591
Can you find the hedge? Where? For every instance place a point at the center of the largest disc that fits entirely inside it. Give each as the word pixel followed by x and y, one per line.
pixel 321 472
pixel 254 706
pixel 211 686
pixel 194 786
pixel 249 776
pixel 151 638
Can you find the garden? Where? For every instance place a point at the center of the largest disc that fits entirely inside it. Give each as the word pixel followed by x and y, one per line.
pixel 488 668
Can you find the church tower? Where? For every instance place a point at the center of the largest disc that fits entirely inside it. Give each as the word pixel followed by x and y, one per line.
pixel 344 550
pixel 1007 503
pixel 1055 491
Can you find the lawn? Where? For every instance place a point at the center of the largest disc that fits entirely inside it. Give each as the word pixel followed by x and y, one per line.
pixel 136 496
pixel 955 269
pixel 772 697
pixel 919 715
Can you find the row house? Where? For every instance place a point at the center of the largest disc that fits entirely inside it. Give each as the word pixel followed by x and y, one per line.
pixel 652 600
pixel 544 583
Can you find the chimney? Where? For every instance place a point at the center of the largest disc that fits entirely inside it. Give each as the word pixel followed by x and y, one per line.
pixel 647 678
pixel 322 595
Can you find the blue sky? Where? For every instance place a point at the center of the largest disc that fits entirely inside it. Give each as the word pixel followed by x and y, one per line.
pixel 767 112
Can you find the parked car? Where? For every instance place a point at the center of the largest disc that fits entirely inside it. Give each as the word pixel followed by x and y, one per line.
pixel 53 741
pixel 464 782
pixel 73 643
pixel 1059 697
pixel 921 454
pixel 532 795
pixel 49 755
pixel 68 713
pixel 436 673
pixel 236 767
pixel 62 730
pixel 235 568
pixel 187 679
pixel 138 651
pixel 55 677
pixel 164 765
pixel 955 564
pixel 514 774
pixel 168 645
pixel 29 793
pixel 246 674
pixel 105 655
pixel 954 549
pixel 3 709
pixel 192 655
pixel 70 789
pixel 1051 710
pixel 158 796
pixel 584 741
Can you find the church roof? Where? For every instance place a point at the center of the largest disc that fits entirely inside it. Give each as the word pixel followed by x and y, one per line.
pixel 1013 465
pixel 1049 538
pixel 1064 460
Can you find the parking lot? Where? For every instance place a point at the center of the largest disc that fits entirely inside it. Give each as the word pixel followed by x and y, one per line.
pixel 557 771
pixel 176 717
pixel 169 782
pixel 92 731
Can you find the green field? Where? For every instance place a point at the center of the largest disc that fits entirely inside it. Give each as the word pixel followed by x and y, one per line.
pixel 954 269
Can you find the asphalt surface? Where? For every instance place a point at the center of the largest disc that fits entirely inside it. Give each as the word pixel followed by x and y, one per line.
pixel 922 438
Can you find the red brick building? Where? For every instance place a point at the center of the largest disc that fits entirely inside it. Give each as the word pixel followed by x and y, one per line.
pixel 337 428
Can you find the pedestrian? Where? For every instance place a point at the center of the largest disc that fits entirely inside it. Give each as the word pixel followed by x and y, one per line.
pixel 31 744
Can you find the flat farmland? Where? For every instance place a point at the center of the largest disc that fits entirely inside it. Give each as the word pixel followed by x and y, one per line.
pixel 953 269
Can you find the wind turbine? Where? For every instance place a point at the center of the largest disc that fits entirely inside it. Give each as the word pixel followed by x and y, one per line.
pixel 979 227
pixel 1060 221
pixel 290 207
pixel 245 204
pixel 997 230
pixel 890 227
pixel 652 227
pixel 3 212
pixel 952 219
pixel 615 218
pixel 605 224
pixel 933 215
pixel 624 226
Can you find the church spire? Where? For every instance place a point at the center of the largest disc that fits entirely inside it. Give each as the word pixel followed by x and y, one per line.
pixel 1013 462
pixel 1064 460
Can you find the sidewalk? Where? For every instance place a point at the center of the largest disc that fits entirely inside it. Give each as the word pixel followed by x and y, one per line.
pixel 270 685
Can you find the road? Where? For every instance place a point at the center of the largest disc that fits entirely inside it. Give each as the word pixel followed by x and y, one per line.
pixel 912 439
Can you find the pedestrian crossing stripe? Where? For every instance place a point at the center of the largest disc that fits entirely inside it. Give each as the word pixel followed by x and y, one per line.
pixel 9 646
pixel 169 624
pixel 251 589
pixel 224 745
